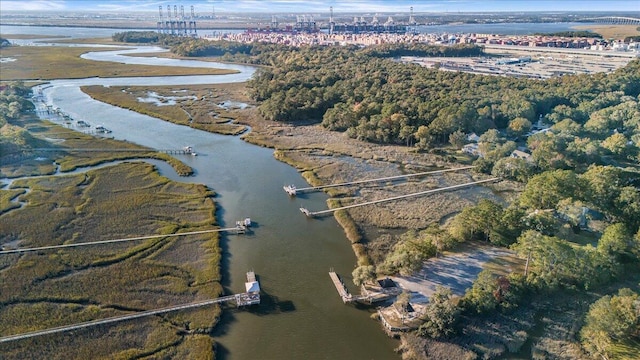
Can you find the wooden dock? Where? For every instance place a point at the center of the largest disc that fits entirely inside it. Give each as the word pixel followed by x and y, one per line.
pixel 454 187
pixel 342 289
pixel 185 151
pixel 102 242
pixel 292 190
pixel 252 294
pixel 251 297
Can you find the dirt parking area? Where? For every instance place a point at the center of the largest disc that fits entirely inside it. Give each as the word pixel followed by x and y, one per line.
pixel 455 271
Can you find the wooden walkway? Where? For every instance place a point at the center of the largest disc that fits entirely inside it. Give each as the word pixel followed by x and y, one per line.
pixel 292 190
pixel 166 151
pixel 53 247
pixel 235 297
pixel 342 289
pixel 454 187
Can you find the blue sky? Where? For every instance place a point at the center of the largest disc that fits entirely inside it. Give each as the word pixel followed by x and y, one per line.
pixel 365 6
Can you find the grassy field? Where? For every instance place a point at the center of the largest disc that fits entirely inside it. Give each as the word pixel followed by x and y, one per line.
pixel 198 106
pixel 53 62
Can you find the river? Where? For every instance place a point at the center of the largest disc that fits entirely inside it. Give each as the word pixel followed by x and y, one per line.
pixel 302 316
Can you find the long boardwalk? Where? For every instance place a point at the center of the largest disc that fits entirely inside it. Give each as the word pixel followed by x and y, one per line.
pixel 185 151
pixel 114 319
pixel 314 213
pixel 251 297
pixel 52 247
pixel 292 190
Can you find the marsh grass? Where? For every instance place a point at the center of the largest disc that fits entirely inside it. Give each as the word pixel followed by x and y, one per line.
pixel 53 288
pixel 61 62
pixel 7 199
pixel 79 284
pixel 203 113
pixel 70 155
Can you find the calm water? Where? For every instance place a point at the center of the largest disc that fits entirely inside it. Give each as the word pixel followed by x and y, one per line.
pixel 302 316
pixel 504 28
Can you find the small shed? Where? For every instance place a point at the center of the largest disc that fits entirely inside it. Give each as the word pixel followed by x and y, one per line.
pixel 386 283
pixel 252 287
pixel 473 137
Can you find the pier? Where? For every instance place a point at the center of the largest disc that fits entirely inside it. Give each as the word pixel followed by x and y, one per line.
pixel 242 226
pixel 454 187
pixel 250 297
pixel 53 247
pixel 348 297
pixel 292 190
pixel 342 289
pixel 184 151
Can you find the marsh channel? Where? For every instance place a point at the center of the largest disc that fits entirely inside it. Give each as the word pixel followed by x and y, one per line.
pixel 301 315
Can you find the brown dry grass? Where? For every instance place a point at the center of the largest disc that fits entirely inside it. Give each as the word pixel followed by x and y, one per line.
pixel 617 32
pixel 203 113
pixel 71 155
pixel 40 290
pixel 53 62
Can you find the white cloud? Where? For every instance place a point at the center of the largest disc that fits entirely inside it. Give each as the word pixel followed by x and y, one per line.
pixel 40 5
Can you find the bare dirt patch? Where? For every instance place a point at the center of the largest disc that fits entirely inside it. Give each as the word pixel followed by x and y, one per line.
pixel 455 271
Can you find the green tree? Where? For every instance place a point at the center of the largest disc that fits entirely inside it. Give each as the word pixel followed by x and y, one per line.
pixel 617 243
pixel 441 315
pixel 611 320
pixel 457 138
pixel 603 184
pixel 363 274
pixel 616 144
pixel 478 221
pixel 488 291
pixel 513 169
pixel 552 262
pixel 544 191
pixel 519 126
pixel 424 137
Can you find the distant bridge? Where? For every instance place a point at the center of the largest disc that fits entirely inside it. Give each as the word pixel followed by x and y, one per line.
pixel 617 20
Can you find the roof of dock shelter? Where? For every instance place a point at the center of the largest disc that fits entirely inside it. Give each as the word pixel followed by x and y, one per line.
pixel 252 286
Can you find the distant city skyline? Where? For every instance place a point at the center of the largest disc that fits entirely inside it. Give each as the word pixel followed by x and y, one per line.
pixel 345 6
